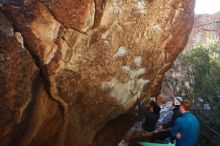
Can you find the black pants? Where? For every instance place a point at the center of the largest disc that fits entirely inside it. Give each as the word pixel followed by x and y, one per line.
pixel 133 143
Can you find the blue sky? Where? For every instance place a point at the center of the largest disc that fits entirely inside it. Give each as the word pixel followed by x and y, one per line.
pixel 207 6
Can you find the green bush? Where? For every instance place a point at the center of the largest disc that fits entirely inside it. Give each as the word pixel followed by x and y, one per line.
pixel 201 66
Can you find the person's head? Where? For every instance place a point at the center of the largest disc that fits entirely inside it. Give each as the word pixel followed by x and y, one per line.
pixel 185 106
pixel 146 104
pixel 154 107
pixel 177 100
pixel 162 99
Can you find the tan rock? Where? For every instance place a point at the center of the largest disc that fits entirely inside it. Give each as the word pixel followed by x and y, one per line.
pixel 97 55
pixel 46 29
pixel 45 121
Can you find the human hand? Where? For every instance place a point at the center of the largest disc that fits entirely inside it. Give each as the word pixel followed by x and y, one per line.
pixel 145 134
pixel 153 99
pixel 128 136
pixel 135 98
pixel 160 128
pixel 139 94
pixel 178 136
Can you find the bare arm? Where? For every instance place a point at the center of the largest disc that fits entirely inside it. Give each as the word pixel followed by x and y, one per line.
pixel 133 100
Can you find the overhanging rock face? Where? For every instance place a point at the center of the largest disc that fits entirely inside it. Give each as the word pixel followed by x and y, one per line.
pixel 93 56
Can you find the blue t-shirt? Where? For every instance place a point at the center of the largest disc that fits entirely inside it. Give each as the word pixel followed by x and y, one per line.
pixel 188 126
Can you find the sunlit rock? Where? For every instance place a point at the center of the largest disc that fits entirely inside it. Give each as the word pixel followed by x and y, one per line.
pixel 95 56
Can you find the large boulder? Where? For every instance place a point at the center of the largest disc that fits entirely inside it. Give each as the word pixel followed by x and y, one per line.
pixel 94 56
pixel 17 73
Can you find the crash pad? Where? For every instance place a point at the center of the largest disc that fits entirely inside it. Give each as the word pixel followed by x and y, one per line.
pixel 154 144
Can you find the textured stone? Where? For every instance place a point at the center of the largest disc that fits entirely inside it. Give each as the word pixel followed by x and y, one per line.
pixel 76 14
pixel 205 27
pixel 96 55
pixel 17 70
pixel 45 124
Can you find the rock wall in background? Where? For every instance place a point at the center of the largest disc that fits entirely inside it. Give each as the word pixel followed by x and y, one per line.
pixel 79 63
pixel 206 26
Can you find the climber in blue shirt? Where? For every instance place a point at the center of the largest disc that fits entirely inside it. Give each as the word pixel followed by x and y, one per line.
pixel 186 128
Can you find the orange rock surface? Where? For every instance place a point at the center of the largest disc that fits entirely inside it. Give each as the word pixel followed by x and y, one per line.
pixel 93 57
